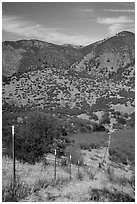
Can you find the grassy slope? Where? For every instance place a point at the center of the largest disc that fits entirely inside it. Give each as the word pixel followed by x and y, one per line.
pixel 122 146
pixel 38 185
pixel 90 140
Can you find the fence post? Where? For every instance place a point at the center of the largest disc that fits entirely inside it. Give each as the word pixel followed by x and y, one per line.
pixel 13 154
pixel 78 168
pixel 55 165
pixel 105 151
pixel 70 165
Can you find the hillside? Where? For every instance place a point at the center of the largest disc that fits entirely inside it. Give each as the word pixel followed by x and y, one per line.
pixel 79 100
pixel 89 86
pixel 85 88
pixel 29 55
pixel 108 56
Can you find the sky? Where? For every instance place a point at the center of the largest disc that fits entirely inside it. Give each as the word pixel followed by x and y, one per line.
pixel 79 23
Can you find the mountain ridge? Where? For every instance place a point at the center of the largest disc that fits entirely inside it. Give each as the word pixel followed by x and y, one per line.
pixel 64 80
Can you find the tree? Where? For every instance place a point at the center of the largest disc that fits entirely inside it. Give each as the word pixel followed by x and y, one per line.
pixel 121 120
pixel 36 137
pixel 105 118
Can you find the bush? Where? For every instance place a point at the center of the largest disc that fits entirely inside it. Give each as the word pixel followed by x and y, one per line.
pixel 97 127
pixel 122 180
pixel 75 153
pixel 132 120
pixel 117 154
pixel 79 176
pixel 90 173
pixel 81 125
pixel 105 195
pixel 105 118
pixel 121 120
pixel 34 138
pixel 93 116
pixel 40 184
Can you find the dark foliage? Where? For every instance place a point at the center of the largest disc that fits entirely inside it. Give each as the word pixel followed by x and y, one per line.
pixel 132 120
pixel 105 118
pixel 103 195
pixel 93 116
pixel 97 127
pixel 121 120
pixel 34 138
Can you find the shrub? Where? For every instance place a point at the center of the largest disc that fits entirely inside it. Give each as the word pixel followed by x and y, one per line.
pixel 116 154
pixel 59 181
pixel 34 138
pixel 79 176
pixel 132 120
pixel 126 115
pixel 105 195
pixel 90 173
pixel 40 184
pixel 75 153
pixel 132 182
pixel 122 180
pixel 81 125
pixel 105 118
pixel 97 127
pixel 44 162
pixel 93 116
pixel 121 120
pixel 83 129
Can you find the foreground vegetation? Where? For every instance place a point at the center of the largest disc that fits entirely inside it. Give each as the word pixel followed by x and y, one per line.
pixel 38 133
pixel 36 183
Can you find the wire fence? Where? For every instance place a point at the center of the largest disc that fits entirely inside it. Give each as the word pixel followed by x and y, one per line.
pixel 60 168
pixel 12 168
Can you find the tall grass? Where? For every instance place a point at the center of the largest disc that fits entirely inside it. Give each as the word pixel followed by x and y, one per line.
pixel 104 195
pixel 90 140
pixel 122 146
pixel 30 179
pixel 15 193
pixel 113 178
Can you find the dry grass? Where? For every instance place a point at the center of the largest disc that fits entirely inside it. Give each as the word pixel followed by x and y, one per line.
pixel 119 176
pixel 104 195
pixel 33 175
pixel 36 182
pixel 91 140
pixel 122 146
pixel 12 193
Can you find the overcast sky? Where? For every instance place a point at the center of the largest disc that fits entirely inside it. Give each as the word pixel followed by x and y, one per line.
pixel 66 22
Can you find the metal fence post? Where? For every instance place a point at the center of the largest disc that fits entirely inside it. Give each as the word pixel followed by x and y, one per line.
pixel 55 165
pixel 13 154
pixel 70 166
pixel 78 168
